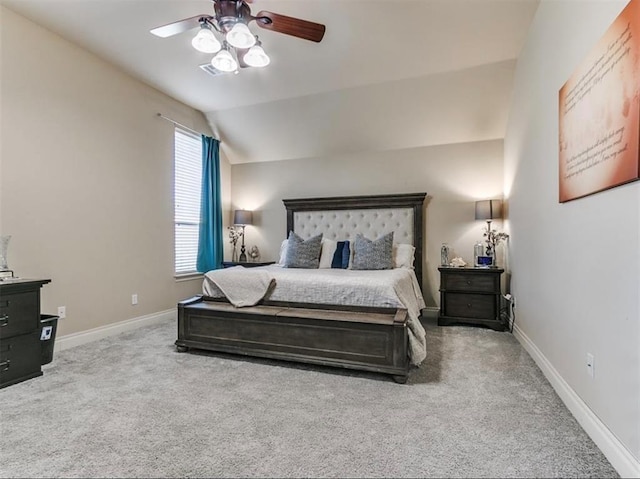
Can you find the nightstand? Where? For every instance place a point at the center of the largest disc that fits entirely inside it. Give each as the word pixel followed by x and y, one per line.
pixel 470 296
pixel 230 264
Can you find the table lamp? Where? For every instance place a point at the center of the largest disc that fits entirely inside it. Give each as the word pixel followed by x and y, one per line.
pixel 488 210
pixel 242 218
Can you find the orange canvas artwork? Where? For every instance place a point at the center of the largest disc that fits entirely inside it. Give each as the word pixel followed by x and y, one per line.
pixel 600 113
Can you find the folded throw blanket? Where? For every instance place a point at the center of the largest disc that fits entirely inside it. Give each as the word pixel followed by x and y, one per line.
pixel 241 286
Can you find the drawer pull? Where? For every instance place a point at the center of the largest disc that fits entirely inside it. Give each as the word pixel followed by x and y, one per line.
pixel 4 320
pixel 468 305
pixel 4 365
pixel 469 282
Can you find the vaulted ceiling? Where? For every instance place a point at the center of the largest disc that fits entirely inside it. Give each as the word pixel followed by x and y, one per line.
pixel 389 74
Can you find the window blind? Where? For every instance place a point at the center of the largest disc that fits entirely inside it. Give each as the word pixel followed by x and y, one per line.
pixel 188 183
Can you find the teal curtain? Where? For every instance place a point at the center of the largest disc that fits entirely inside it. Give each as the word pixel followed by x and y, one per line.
pixel 210 247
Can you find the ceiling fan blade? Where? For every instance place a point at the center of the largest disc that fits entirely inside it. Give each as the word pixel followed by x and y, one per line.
pixel 290 26
pixel 179 26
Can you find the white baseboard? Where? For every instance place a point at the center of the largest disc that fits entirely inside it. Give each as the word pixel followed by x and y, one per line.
pixel 618 455
pixel 76 339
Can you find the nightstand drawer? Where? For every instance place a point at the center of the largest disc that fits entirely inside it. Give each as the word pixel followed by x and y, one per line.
pixel 479 282
pixel 20 358
pixel 478 306
pixel 19 313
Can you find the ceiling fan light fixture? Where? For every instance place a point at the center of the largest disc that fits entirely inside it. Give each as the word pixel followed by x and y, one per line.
pixel 205 41
pixel 240 36
pixel 224 61
pixel 256 57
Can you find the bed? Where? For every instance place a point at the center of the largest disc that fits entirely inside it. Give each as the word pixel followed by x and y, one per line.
pixel 366 320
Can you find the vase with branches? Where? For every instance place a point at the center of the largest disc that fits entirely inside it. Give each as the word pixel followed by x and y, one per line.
pixel 493 239
pixel 235 234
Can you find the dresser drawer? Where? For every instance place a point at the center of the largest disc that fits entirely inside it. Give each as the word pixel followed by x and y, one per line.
pixel 19 313
pixel 477 306
pixel 19 358
pixel 479 282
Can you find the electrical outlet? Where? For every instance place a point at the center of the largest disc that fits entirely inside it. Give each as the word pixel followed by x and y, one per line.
pixel 590 365
pixel 62 312
pixel 134 299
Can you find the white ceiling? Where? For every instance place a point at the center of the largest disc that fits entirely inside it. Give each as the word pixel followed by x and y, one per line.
pixel 419 72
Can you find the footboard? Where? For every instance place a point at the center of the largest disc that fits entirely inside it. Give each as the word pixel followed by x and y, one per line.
pixel 369 339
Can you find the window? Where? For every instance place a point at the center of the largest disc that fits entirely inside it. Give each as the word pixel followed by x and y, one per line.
pixel 188 183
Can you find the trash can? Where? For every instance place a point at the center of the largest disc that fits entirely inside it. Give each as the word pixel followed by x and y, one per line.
pixel 48 326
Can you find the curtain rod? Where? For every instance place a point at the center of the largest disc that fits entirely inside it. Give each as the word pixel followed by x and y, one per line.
pixel 160 115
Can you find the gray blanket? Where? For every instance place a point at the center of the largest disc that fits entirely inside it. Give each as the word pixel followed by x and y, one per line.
pixel 241 286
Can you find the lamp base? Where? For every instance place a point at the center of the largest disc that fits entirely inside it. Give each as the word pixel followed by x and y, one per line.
pixel 243 251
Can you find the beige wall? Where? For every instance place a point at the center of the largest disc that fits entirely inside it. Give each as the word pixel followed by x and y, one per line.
pixel 438 109
pixel 454 176
pixel 576 266
pixel 87 179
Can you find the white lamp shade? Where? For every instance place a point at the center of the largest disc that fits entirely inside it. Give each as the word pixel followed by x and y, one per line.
pixel 224 61
pixel 240 36
pixel 205 41
pixel 256 57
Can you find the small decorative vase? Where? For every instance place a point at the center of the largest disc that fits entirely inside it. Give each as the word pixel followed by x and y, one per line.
pixel 234 254
pixel 4 245
pixel 478 251
pixel 494 255
pixel 444 255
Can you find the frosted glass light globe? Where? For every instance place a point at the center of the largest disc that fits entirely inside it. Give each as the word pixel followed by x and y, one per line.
pixel 224 61
pixel 256 57
pixel 240 36
pixel 205 41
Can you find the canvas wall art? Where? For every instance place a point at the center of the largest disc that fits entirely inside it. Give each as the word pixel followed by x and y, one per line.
pixel 599 109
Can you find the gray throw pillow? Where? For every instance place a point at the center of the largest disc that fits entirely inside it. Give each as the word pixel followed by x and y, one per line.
pixel 303 253
pixel 376 254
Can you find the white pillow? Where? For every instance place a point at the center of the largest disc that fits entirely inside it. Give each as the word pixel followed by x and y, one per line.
pixel 326 253
pixel 403 255
pixel 283 252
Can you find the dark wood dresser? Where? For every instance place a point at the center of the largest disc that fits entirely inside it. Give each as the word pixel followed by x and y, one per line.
pixel 470 296
pixel 20 349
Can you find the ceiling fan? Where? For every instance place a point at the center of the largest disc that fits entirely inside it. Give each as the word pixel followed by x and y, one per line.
pixel 230 20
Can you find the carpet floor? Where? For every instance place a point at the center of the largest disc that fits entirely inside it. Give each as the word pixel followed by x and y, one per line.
pixel 131 406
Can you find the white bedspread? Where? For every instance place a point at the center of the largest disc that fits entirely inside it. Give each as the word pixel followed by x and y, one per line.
pixel 385 288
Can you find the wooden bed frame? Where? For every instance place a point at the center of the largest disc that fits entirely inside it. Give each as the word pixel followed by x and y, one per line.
pixel 363 338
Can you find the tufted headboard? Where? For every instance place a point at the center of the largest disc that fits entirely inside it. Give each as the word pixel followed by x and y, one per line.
pixel 341 218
